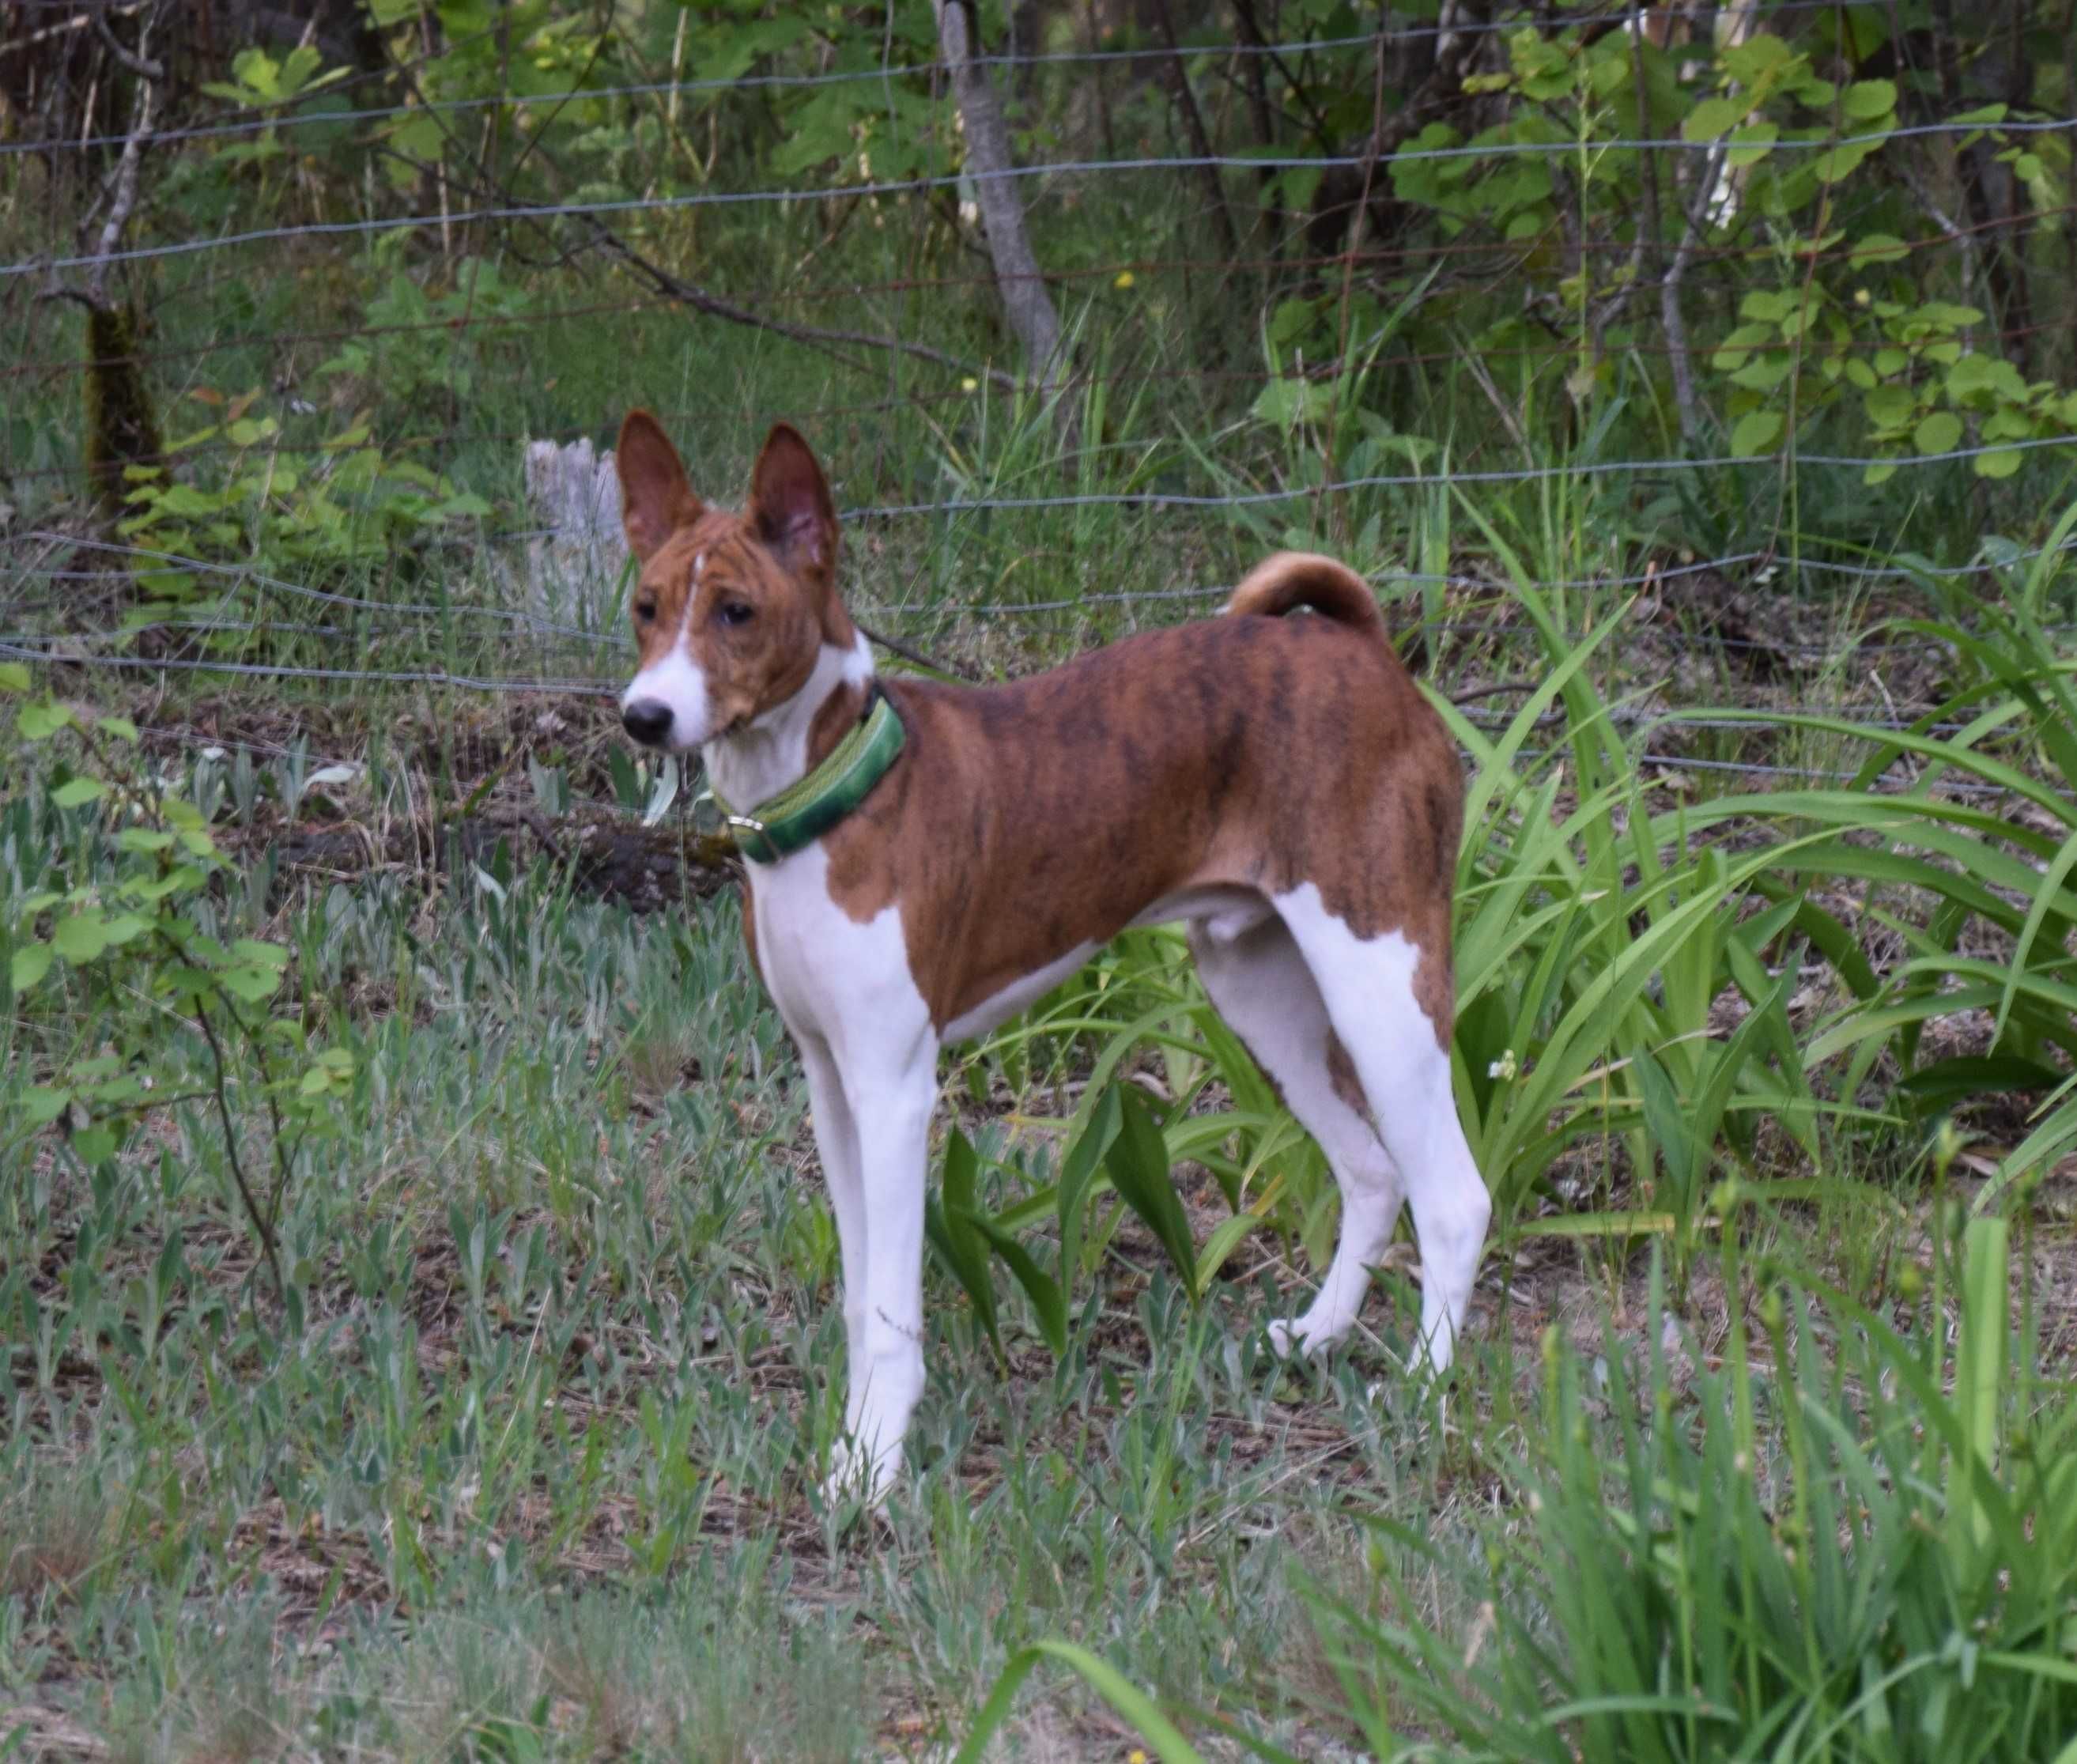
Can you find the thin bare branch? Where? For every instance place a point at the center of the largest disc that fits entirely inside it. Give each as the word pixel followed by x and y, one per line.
pixel 125 197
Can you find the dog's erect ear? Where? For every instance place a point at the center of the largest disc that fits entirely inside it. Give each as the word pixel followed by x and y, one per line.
pixel 656 497
pixel 790 505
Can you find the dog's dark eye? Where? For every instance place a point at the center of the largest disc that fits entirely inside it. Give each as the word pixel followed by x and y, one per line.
pixel 735 613
pixel 645 610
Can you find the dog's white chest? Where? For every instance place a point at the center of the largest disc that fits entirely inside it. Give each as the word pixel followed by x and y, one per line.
pixel 831 976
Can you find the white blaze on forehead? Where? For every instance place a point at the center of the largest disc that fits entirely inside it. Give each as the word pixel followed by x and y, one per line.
pixel 676 681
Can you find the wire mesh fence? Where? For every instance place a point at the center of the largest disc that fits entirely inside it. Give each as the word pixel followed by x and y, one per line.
pixel 921 346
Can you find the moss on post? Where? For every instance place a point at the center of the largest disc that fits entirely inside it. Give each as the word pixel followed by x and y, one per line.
pixel 122 430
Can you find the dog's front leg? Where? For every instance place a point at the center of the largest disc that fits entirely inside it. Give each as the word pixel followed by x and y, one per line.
pixel 890 1102
pixel 836 1140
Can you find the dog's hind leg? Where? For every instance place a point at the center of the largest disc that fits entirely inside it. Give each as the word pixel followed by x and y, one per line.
pixel 1260 982
pixel 1369 988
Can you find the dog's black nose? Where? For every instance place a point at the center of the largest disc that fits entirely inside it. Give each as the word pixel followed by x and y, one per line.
pixel 648 719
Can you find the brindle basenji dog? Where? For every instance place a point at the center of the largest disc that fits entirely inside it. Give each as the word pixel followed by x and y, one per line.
pixel 925 860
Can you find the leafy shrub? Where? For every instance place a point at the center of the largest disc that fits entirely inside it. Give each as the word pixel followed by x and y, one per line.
pixel 125 908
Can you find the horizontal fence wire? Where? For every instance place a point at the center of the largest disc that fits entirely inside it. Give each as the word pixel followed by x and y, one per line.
pixel 1720 564
pixel 854 291
pixel 22 648
pixel 1647 724
pixel 787 196
pixel 1158 502
pixel 373 676
pixel 886 71
pixel 161 560
pixel 155 561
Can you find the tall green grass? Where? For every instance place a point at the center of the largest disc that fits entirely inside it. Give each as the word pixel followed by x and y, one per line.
pixel 1854 1537
pixel 1851 1540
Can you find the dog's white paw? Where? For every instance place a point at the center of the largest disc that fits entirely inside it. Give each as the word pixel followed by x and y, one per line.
pixel 855 1475
pixel 1293 1341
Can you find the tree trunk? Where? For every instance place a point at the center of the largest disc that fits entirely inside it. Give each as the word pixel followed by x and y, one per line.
pixel 1995 202
pixel 1200 137
pixel 1025 300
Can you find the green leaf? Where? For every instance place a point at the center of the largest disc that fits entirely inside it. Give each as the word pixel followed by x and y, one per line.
pixel 260 955
pixel 252 984
pixel 1865 100
pixel 1713 117
pixel 30 964
pixel 1838 162
pixel 118 728
pixel 1999 462
pixel 1078 1170
pixel 182 878
pixel 77 792
pixel 1225 1237
pixel 1764 373
pixel 1138 1166
pixel 1757 431
pixel 1664 1116
pixel 1047 1302
pixel 958 1245
pixel 1939 432
pixel 41 1105
pixel 143 839
pixel 1284 402
pixel 1980 376
pixel 1732 352
pixel 1770 306
pixel 1975 1074
pixel 1751 144
pixel 2058 872
pixel 1981 1344
pixel 38 722
pixel 14 677
pixel 1876 248
pixel 80 937
pixel 1134 1705
pixel 94 1145
pixel 184 981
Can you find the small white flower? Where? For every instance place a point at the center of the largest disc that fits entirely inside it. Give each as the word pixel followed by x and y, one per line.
pixel 1503 1068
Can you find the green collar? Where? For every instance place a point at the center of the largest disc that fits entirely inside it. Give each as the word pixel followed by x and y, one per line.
pixel 802 813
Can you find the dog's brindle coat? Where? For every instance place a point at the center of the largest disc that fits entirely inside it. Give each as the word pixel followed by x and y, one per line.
pixel 1278 783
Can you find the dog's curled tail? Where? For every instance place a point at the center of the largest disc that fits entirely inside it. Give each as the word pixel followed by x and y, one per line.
pixel 1291 579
